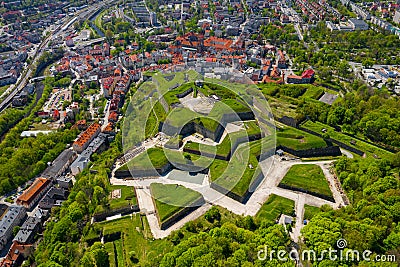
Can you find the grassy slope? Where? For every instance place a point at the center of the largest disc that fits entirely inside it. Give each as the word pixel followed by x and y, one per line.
pixel 136 236
pixel 170 198
pixel 273 207
pixel 309 177
pixel 298 140
pixel 369 149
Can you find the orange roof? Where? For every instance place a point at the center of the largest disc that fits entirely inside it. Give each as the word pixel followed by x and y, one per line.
pixel 109 127
pixel 87 135
pixel 38 185
pixel 14 252
pixel 218 43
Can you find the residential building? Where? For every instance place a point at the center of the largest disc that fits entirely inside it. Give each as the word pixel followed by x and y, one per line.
pixel 28 230
pixel 306 77
pixel 60 164
pixel 96 146
pixel 86 137
pixel 396 17
pixel 358 24
pixel 13 217
pixel 32 195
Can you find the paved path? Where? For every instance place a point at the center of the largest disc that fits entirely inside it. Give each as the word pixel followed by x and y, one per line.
pixel 299 207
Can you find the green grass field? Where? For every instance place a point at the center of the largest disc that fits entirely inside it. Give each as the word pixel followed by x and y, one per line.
pixel 153 157
pixel 139 116
pixel 273 207
pixel 369 149
pixel 309 177
pixel 237 174
pixel 310 212
pixel 224 148
pixel 171 198
pixel 128 196
pixel 111 253
pixel 156 116
pixel 298 140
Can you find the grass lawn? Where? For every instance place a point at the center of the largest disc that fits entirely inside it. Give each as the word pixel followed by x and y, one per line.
pixel 120 252
pixel 273 207
pixel 164 83
pixel 224 148
pixel 3 89
pixel 135 123
pixel 156 116
pixel 298 140
pixel 309 177
pixel 171 198
pixel 310 212
pixel 128 196
pixel 313 92
pixel 157 157
pixel 237 174
pixel 135 236
pixel 281 108
pixel 111 253
pixel 153 157
pixel 369 149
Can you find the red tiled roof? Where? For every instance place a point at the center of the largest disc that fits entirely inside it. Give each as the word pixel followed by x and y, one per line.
pixel 29 194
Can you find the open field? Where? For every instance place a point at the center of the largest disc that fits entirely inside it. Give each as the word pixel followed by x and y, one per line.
pixel 369 149
pixel 170 199
pixel 298 140
pixel 273 207
pixel 224 148
pixel 136 120
pixel 135 236
pixel 308 177
pixel 237 174
pixel 128 196
pixel 151 158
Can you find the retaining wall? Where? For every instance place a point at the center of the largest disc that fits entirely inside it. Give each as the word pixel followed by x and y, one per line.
pixel 123 211
pixel 180 214
pixel 329 198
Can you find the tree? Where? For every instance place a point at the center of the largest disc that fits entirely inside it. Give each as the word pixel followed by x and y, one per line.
pixel 15 230
pixel 212 214
pixel 368 62
pixel 396 160
pixel 109 35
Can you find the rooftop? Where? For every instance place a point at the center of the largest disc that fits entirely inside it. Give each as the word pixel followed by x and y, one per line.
pixel 88 134
pixel 8 219
pixel 53 170
pixel 38 185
